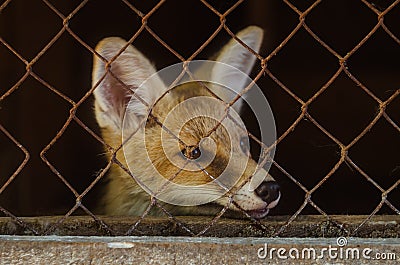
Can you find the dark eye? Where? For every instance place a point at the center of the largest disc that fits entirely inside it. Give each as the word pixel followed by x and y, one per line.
pixel 191 152
pixel 244 145
pixel 195 153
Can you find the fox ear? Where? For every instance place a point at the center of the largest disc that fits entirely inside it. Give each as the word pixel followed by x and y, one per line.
pixel 118 84
pixel 239 58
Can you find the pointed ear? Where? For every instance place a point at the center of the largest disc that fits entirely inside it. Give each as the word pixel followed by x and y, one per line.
pixel 127 72
pixel 239 57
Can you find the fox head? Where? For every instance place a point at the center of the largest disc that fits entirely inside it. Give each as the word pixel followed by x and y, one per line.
pixel 178 133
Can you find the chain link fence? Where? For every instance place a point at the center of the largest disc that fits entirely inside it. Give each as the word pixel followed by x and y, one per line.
pixel 338 124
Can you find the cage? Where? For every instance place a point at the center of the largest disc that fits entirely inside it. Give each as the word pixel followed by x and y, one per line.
pixel 329 70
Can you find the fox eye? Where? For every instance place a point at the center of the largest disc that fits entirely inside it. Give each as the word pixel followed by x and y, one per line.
pixel 195 153
pixel 192 153
pixel 244 146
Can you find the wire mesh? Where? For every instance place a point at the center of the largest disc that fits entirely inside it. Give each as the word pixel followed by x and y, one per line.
pixel 263 62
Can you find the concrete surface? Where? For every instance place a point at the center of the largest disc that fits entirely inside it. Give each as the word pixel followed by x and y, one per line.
pixel 379 226
pixel 189 250
pixel 306 240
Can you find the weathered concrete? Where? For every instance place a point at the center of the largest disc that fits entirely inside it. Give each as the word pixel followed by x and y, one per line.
pixel 387 226
pixel 189 250
pixel 79 240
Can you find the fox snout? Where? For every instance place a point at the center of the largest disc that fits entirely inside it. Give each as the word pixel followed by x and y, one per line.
pixel 184 144
pixel 258 202
pixel 268 192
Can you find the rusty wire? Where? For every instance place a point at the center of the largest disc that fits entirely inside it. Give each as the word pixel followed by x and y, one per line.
pixel 263 63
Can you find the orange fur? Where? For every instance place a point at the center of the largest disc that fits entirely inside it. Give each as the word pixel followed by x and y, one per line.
pixel 123 194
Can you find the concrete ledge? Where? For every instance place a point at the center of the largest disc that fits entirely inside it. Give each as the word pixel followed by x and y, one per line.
pixel 307 240
pixel 189 250
pixel 379 226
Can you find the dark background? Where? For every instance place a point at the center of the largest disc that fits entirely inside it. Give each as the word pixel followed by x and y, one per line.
pixel 33 114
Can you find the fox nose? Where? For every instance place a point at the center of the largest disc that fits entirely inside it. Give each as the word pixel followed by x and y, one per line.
pixel 268 191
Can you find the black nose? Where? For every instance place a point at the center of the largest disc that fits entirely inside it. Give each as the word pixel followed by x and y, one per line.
pixel 268 191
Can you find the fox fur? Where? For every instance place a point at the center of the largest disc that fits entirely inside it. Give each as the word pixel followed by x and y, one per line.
pixel 123 195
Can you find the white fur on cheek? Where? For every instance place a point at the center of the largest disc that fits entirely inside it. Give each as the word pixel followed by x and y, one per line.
pixel 248 200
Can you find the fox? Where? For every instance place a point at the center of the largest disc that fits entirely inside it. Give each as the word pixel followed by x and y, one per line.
pixel 119 76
